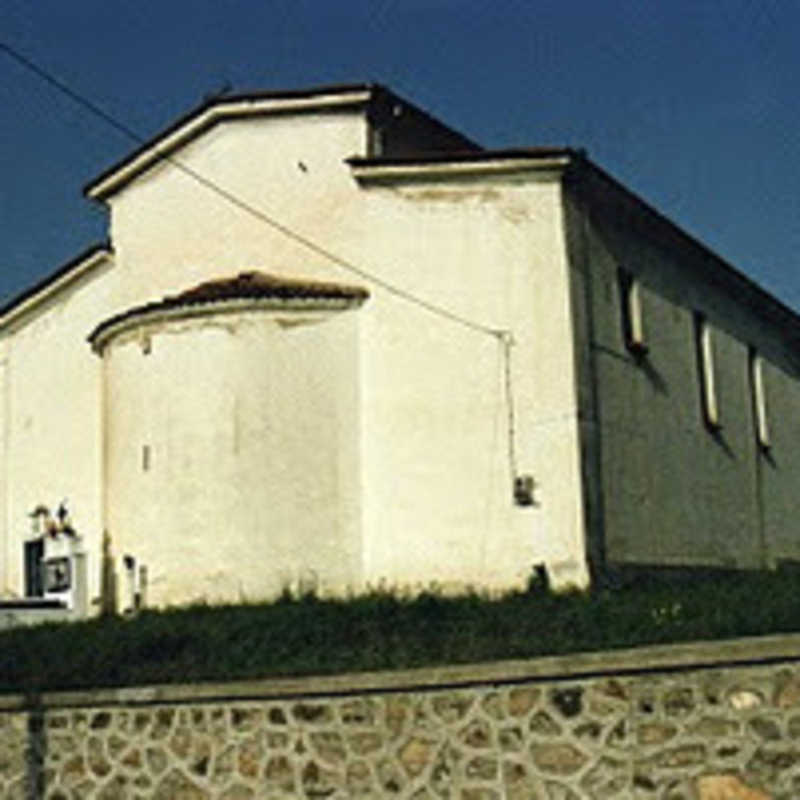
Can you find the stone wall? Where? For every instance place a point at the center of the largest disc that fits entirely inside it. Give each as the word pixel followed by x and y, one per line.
pixel 714 721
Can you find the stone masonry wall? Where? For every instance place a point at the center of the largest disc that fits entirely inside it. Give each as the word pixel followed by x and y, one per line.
pixel 699 722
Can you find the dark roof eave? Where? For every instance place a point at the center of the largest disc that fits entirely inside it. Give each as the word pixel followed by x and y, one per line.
pixel 762 299
pixel 465 156
pixel 470 145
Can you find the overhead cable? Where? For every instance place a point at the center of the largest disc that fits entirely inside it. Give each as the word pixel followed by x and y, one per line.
pixel 243 205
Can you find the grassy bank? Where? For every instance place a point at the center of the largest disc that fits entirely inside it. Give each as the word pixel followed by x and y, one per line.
pixel 307 635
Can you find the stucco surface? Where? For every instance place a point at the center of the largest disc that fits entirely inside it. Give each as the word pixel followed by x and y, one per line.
pixel 52 420
pixel 249 482
pixel 381 445
pixel 432 471
pixel 171 232
pixel 671 490
pixel 437 438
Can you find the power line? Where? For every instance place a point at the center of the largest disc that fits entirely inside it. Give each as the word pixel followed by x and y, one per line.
pixel 243 205
pixel 71 93
pixel 503 336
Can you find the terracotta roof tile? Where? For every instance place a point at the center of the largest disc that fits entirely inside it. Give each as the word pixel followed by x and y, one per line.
pixel 260 284
pixel 244 286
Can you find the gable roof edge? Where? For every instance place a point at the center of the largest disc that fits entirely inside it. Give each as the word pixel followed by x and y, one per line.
pixel 763 302
pixel 200 119
pixel 446 164
pixel 52 284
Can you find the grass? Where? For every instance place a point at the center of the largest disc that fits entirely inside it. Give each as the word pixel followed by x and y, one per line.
pixel 377 631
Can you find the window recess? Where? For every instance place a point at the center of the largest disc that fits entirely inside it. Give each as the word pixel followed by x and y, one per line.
pixel 631 310
pixel 759 400
pixel 705 366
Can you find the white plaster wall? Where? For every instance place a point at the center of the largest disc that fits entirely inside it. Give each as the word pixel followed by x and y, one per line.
pixel 53 426
pixel 170 232
pixel 407 444
pixel 251 487
pixel 438 487
pixel 436 481
pixel 403 414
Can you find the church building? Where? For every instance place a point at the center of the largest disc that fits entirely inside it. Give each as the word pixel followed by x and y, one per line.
pixel 332 343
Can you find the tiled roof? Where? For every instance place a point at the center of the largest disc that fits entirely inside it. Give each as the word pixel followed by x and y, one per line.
pixel 260 284
pixel 245 286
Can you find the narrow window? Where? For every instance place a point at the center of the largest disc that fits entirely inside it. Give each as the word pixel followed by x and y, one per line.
pixel 145 458
pixel 759 399
pixel 705 363
pixel 631 310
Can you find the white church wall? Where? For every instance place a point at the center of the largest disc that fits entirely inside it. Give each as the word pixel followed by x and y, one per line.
pixel 170 232
pixel 246 453
pixel 400 472
pixel 438 503
pixel 492 254
pixel 232 454
pixel 53 419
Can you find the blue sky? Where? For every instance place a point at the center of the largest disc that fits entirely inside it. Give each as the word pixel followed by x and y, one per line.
pixel 693 105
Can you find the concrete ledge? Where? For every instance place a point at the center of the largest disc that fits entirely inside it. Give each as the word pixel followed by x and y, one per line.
pixel 659 658
pixel 20 615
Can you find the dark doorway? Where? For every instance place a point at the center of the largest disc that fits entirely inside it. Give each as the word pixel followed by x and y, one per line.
pixel 34 555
